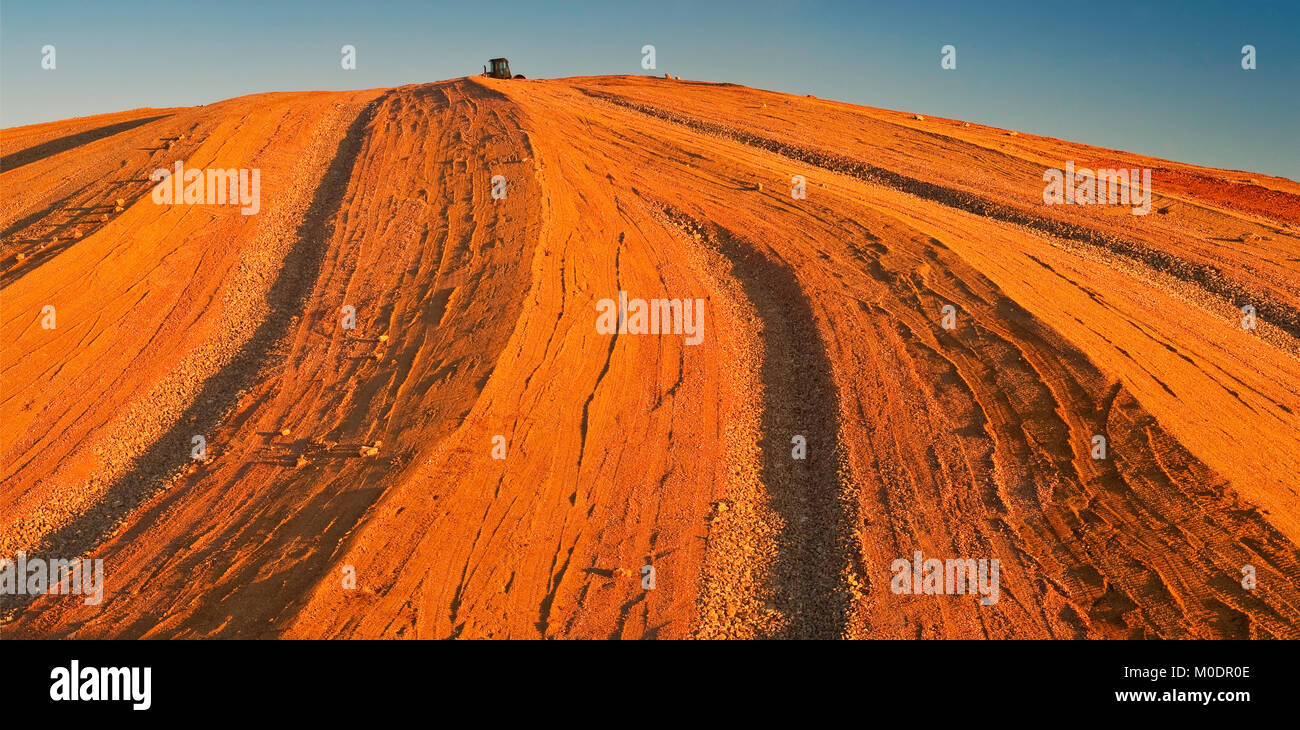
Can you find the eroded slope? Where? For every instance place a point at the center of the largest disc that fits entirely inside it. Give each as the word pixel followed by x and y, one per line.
pixel 475 338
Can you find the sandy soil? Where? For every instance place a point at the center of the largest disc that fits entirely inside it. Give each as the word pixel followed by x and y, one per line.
pixel 369 452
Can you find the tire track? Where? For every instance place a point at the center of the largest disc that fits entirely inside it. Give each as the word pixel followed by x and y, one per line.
pixel 1093 531
pixel 168 455
pixel 1205 276
pixel 798 399
pixel 40 151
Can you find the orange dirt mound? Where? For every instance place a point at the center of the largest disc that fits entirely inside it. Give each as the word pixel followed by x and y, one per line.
pixel 478 458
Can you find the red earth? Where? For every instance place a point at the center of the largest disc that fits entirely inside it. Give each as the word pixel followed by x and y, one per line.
pixel 352 485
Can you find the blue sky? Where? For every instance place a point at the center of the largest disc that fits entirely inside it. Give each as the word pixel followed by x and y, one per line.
pixel 1163 79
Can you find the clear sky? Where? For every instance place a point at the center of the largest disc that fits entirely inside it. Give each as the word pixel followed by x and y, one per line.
pixel 1163 79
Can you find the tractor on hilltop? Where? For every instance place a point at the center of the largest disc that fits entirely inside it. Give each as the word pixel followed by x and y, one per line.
pixel 500 70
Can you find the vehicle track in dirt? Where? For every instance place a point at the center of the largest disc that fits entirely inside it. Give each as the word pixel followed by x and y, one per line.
pixel 255 332
pixel 1206 276
pixel 800 503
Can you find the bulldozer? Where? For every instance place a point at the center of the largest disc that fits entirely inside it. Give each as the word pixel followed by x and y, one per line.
pixel 500 69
